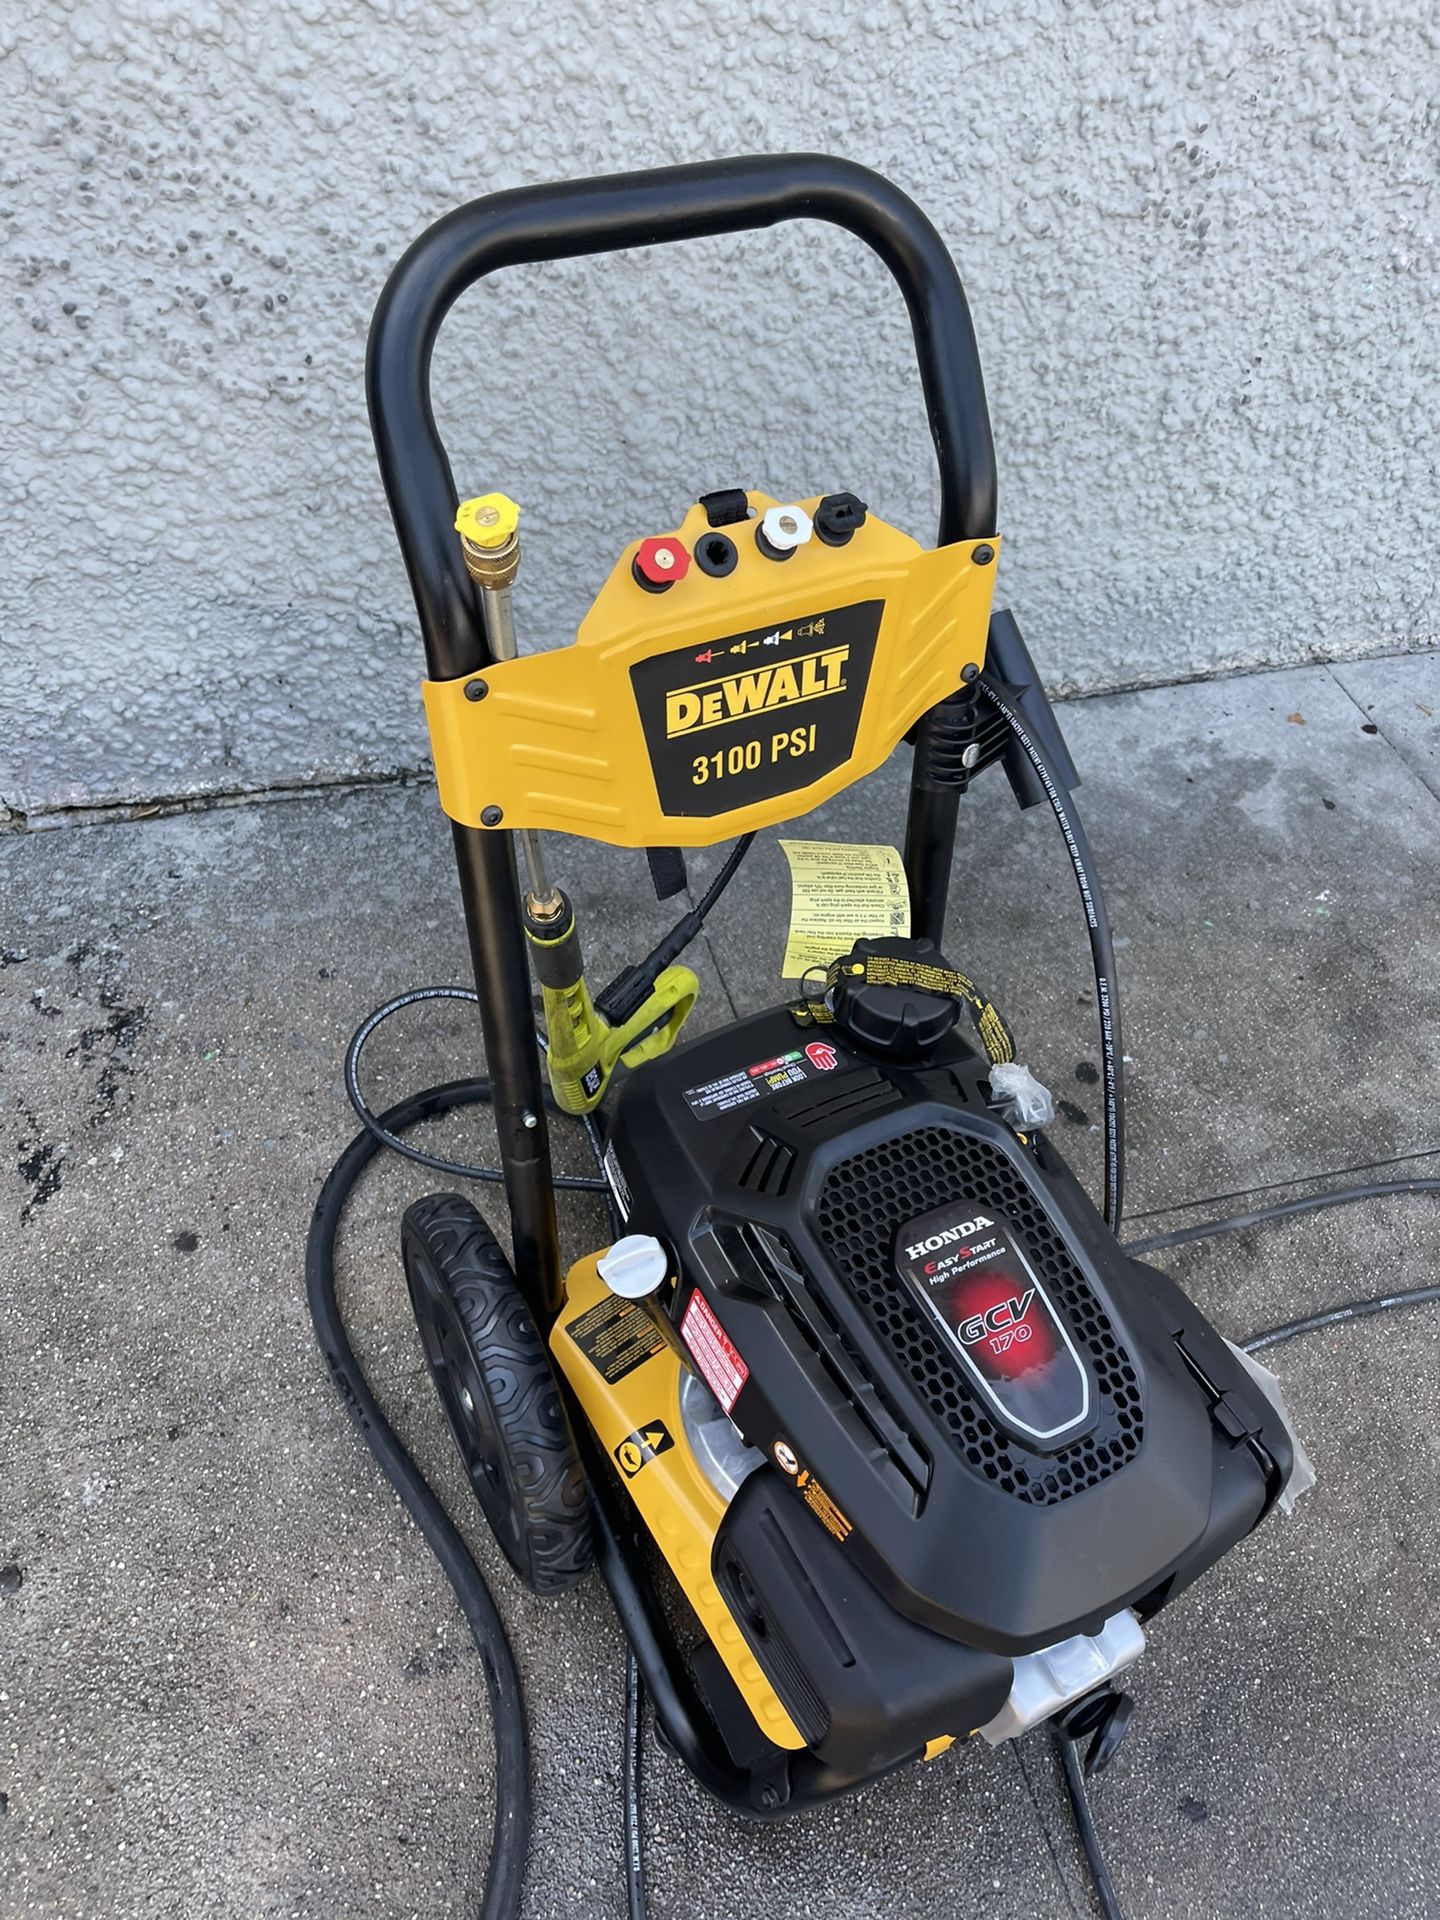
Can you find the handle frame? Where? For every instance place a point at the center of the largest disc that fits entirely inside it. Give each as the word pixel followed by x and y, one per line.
pixel 565 221
pixel 570 219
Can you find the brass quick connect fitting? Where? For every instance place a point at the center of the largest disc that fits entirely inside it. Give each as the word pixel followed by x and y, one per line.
pixel 488 527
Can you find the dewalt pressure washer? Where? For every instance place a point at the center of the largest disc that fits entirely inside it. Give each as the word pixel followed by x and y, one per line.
pixel 919 1448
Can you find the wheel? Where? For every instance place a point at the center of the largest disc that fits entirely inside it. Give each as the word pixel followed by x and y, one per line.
pixel 498 1391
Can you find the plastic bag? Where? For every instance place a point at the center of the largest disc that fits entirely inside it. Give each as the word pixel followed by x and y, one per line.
pixel 1019 1096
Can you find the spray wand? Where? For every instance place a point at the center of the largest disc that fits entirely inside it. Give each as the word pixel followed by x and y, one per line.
pixel 583 1045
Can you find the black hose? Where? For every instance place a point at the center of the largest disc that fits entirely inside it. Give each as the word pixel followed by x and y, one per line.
pixel 633 1789
pixel 1084 1819
pixel 1314 1203
pixel 504 1875
pixel 1337 1316
pixel 387 1136
pixel 724 874
pixel 633 985
pixel 1102 954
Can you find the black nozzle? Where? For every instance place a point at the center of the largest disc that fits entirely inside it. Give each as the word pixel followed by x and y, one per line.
pixel 839 517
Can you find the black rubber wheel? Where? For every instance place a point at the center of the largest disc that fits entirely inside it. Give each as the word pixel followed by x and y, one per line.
pixel 498 1391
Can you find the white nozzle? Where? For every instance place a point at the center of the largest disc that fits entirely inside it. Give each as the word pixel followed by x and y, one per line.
pixel 786 528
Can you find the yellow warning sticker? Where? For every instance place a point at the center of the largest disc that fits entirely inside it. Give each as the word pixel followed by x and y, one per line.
pixel 823 1507
pixel 841 893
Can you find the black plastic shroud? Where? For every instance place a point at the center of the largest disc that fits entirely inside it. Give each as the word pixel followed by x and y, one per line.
pixel 784 1165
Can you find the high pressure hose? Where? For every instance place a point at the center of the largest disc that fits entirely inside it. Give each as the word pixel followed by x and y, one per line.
pixel 1102 952
pixel 504 1875
pixel 632 1762
pixel 1315 1203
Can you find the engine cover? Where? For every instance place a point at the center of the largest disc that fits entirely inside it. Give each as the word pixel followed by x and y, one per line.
pixel 964 1388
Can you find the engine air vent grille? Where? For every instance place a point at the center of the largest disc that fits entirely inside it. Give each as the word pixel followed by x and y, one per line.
pixel 842 1099
pixel 825 1337
pixel 863 1203
pixel 769 1167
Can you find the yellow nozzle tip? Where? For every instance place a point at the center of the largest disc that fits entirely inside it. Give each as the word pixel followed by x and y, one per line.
pixel 489 520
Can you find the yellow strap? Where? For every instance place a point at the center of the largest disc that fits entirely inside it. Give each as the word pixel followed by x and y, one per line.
pixel 887 970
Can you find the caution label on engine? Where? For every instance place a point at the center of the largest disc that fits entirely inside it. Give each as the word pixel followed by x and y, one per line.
pixel 745 1084
pixel 616 1336
pixel 811 1492
pixel 965 1263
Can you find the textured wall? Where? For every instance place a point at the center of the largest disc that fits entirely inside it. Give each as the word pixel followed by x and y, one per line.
pixel 1199 241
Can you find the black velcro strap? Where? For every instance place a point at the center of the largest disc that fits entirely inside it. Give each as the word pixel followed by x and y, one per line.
pixel 667 870
pixel 726 507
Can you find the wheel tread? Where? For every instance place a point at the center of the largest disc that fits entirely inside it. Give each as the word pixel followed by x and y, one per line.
pixel 543 1479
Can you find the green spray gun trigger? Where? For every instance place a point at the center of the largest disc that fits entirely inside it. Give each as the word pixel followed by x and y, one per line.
pixel 583 1047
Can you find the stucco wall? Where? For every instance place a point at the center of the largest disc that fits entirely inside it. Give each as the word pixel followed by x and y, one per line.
pixel 1199 242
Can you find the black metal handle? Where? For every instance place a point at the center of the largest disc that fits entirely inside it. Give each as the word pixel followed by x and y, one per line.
pixel 632 210
pixel 624 210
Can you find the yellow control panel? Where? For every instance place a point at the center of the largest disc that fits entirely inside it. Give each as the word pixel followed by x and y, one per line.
pixel 728 676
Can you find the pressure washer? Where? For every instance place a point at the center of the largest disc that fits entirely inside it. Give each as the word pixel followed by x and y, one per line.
pixel 878 1436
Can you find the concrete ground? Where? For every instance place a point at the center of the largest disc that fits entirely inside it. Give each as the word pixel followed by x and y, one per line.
pixel 231 1680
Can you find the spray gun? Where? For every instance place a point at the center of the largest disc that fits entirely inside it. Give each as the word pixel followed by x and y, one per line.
pixel 583 1044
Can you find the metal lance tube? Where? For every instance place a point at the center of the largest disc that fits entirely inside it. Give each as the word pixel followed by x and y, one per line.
pixel 490 541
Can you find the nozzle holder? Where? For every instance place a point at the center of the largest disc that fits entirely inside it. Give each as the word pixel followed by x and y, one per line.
pixel 492 567
pixel 839 517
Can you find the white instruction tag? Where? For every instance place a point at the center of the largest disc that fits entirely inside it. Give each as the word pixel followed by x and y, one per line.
pixel 841 893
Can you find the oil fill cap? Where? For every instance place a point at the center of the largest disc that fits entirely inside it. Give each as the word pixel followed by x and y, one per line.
pixel 635 1267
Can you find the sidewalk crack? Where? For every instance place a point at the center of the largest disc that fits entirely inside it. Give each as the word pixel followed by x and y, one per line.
pixel 1421 773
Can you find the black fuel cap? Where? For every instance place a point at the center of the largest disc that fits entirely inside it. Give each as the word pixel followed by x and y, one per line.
pixel 901 1021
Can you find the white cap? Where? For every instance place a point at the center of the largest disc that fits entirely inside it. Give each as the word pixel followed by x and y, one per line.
pixel 786 527
pixel 634 1267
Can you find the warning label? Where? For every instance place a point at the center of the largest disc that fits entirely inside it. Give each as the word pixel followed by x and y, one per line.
pixel 841 893
pixel 616 1336
pixel 619 1186
pixel 716 1355
pixel 823 1507
pixel 738 1089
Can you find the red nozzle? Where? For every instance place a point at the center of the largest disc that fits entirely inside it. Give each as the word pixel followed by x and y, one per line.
pixel 661 561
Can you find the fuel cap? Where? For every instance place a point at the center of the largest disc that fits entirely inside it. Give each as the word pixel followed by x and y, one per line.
pixel 901 1021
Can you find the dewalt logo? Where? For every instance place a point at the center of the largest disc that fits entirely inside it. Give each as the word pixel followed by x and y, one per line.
pixel 713 703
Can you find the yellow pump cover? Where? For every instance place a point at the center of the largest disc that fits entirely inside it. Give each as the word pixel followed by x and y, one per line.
pixel 724 703
pixel 627 1381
